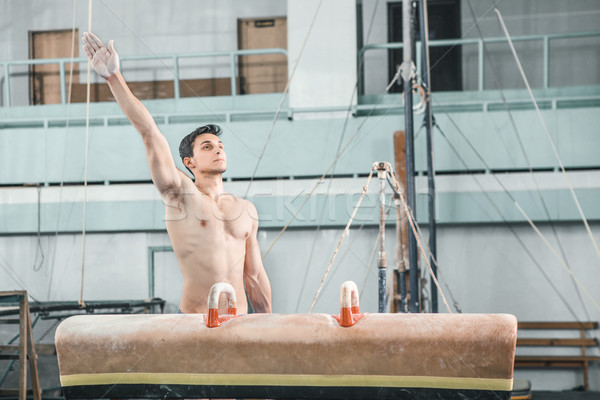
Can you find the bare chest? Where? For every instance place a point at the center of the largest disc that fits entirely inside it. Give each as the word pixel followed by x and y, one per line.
pixel 228 217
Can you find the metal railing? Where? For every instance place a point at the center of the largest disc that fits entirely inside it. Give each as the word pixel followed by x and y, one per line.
pixel 545 39
pixel 173 57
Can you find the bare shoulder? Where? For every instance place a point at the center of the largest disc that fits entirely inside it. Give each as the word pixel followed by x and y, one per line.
pixel 251 209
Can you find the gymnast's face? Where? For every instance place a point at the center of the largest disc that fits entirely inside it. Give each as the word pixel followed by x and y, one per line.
pixel 209 155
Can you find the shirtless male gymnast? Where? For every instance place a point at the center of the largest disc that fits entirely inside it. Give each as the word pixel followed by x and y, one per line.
pixel 213 233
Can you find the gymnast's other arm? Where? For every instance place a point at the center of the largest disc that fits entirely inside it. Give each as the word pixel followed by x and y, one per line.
pixel 256 280
pixel 105 61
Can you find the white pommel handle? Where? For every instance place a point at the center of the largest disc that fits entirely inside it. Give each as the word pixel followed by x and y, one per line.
pixel 215 292
pixel 349 295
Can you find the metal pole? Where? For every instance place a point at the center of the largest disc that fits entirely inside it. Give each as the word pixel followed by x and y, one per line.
pixel 176 84
pixel 6 86
pixel 480 66
pixel 63 84
pixel 546 57
pixel 382 170
pixel 233 75
pixel 408 76
pixel 428 121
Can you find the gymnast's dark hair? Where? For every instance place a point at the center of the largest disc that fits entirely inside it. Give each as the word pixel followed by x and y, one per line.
pixel 186 147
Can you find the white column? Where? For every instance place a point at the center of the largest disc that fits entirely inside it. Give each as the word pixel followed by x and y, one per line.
pixel 325 74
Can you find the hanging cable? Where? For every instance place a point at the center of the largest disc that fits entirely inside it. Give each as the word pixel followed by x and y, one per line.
pixel 39 252
pixel 433 259
pixel 309 194
pixel 5 265
pixel 345 149
pixel 510 227
pixel 499 85
pixel 371 258
pixel 67 123
pixel 363 193
pixel 283 96
pixel 412 221
pixel 562 262
pixel 337 152
pixel 196 96
pixel 85 174
pixel 349 250
pixel 464 34
pixel 547 131
pixel 323 208
pixel 275 119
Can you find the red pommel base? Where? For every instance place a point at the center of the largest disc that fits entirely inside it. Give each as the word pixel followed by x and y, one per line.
pixel 348 316
pixel 213 319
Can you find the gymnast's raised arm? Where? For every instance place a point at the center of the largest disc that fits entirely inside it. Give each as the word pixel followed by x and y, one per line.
pixel 105 61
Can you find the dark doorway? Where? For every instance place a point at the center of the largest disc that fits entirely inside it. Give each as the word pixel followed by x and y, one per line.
pixel 444 23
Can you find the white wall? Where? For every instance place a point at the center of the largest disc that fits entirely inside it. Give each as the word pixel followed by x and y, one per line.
pixel 322 52
pixel 115 265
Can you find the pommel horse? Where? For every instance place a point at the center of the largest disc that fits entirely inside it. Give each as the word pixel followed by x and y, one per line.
pixel 303 356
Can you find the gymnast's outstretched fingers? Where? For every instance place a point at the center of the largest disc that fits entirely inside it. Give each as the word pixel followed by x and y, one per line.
pixel 105 61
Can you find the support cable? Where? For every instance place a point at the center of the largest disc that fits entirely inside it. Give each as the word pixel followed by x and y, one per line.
pixel 558 257
pixel 522 146
pixel 348 148
pixel 428 122
pixel 413 222
pixel 320 219
pixel 349 250
pixel 508 225
pixel 371 258
pixel 196 96
pixel 85 174
pixel 546 130
pixel 340 142
pixel 283 97
pixel 515 202
pixel 465 34
pixel 14 276
pixel 432 257
pixel 39 252
pixel 363 193
pixel 513 231
pixel 67 123
pixel 309 194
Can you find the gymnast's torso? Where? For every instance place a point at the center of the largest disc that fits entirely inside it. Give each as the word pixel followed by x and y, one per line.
pixel 209 238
